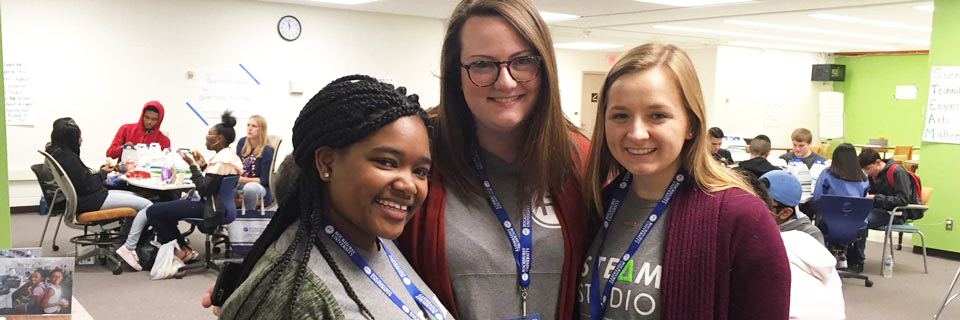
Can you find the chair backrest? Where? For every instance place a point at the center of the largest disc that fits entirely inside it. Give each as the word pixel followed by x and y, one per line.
pixel 843 217
pixel 825 150
pixel 66 187
pixel 815 149
pixel 274 142
pixel 906 151
pixel 227 198
pixel 925 195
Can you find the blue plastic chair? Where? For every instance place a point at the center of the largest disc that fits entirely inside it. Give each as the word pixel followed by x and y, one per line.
pixel 226 199
pixel 843 218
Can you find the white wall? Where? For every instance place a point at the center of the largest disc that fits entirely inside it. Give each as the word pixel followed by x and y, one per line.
pixel 571 64
pixel 99 61
pixel 746 79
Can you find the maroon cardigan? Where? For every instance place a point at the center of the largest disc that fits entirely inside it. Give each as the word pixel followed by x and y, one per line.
pixel 423 241
pixel 723 258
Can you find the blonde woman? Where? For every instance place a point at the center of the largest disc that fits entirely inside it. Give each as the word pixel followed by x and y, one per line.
pixel 257 158
pixel 711 252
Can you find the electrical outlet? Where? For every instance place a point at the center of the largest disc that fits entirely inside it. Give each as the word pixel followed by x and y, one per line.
pixel 949 224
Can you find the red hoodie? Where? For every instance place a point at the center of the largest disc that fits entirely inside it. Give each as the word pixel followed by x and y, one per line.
pixel 135 133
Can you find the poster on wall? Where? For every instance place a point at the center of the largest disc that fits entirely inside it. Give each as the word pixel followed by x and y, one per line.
pixel 831 115
pixel 942 121
pixel 219 89
pixel 19 99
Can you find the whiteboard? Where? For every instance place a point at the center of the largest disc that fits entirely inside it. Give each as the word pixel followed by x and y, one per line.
pixel 831 114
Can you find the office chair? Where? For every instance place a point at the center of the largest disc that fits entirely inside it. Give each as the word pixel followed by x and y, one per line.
pixel 843 217
pixel 107 238
pixel 274 141
pixel 217 236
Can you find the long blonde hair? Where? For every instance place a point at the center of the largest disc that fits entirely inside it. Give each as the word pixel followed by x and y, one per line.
pixel 256 147
pixel 696 157
pixel 545 154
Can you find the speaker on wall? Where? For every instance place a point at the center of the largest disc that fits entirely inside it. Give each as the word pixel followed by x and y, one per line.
pixel 828 72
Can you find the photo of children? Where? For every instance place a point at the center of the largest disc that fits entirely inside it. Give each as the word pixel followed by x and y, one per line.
pixel 36 285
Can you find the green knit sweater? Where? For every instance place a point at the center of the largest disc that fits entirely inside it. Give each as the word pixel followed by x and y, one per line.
pixel 315 300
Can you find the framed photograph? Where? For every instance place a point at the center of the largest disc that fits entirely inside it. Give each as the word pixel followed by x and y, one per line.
pixel 36 285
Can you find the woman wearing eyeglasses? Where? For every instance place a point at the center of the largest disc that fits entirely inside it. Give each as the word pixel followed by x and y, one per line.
pixel 504 229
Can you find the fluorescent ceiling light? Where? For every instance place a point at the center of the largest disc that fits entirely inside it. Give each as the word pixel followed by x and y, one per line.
pixel 879 23
pixel 348 2
pixel 828 32
pixel 694 3
pixel 924 8
pixel 552 16
pixel 586 45
pixel 779 46
pixel 778 38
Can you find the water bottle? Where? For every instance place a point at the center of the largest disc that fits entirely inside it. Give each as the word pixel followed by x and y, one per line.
pixel 888 266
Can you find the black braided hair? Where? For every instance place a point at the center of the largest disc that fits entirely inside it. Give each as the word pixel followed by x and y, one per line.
pixel 344 112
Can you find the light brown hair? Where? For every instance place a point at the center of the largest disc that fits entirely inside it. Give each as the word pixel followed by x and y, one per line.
pixel 256 147
pixel 801 135
pixel 545 152
pixel 696 157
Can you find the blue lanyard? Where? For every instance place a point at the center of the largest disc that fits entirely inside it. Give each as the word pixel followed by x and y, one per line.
pixel 415 292
pixel 522 244
pixel 598 303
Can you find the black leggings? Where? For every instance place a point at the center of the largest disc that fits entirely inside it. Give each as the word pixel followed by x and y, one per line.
pixel 164 217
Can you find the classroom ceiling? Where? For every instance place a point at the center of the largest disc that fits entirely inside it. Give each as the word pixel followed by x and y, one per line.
pixel 774 24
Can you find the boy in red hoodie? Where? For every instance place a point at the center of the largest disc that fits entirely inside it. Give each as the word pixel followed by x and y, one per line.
pixel 145 131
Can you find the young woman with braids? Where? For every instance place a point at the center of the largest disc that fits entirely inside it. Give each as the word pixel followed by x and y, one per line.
pixel 364 156
pixel 713 252
pixel 504 229
pixel 207 176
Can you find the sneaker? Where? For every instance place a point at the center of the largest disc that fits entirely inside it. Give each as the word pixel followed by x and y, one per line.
pixel 855 268
pixel 842 264
pixel 130 257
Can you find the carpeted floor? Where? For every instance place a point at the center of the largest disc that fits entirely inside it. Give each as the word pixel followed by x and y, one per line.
pixel 910 294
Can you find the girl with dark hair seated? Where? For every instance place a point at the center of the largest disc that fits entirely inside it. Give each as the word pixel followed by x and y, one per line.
pixel 92 195
pixel 364 156
pixel 164 216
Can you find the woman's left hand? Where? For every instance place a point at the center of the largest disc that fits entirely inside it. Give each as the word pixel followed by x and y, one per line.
pixel 186 157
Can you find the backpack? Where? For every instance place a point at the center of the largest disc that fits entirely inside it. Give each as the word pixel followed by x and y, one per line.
pixel 918 187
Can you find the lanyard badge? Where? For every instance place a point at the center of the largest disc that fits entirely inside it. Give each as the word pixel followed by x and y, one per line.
pixel 522 244
pixel 412 289
pixel 598 298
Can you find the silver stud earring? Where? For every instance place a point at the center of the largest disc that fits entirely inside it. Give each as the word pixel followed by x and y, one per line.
pixel 326 175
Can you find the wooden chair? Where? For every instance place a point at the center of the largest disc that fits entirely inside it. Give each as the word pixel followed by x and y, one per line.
pixel 815 150
pixel 901 153
pixel 105 234
pixel 826 150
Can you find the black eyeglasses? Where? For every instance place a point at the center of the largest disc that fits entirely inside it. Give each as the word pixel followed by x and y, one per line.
pixel 486 73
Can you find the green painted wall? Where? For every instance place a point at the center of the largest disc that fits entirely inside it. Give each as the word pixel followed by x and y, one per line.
pixel 869 104
pixel 5 240
pixel 939 162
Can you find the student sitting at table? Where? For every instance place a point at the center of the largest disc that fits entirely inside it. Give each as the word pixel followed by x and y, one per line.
pixel 716 140
pixel 257 157
pixel 888 191
pixel 784 192
pixel 801 148
pixel 815 287
pixel 146 131
pixel 164 216
pixel 758 164
pixel 92 195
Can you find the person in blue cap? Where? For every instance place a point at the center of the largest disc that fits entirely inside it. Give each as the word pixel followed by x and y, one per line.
pixel 785 192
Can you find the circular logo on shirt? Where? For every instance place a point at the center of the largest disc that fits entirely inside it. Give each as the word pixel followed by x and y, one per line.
pixel 546 215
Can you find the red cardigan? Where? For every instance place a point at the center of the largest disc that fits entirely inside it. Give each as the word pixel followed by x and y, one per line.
pixel 723 258
pixel 423 241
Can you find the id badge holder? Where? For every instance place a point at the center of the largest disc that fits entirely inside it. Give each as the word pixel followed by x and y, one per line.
pixel 523 302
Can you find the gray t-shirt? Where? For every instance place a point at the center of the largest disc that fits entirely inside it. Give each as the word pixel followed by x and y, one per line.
pixel 482 269
pixel 636 293
pixel 370 295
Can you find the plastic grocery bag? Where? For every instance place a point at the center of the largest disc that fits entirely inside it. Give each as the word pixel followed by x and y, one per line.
pixel 167 264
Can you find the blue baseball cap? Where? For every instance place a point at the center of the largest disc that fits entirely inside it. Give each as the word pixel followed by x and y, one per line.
pixel 784 187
